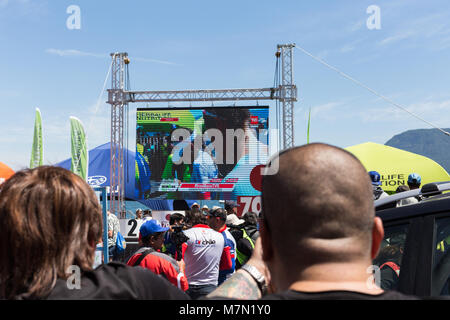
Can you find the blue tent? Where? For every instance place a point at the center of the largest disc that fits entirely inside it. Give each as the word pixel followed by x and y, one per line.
pixel 99 168
pixel 99 175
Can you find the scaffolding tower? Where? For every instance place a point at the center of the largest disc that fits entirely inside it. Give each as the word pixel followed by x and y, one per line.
pixel 119 96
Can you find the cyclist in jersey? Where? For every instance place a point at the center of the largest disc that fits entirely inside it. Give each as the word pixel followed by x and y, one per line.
pixel 202 255
pixel 151 237
pixel 216 220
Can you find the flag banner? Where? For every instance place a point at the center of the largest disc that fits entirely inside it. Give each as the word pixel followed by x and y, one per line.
pixel 309 124
pixel 37 151
pixel 79 164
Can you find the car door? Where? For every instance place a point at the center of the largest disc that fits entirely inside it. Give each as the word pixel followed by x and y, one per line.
pixel 399 250
pixel 433 279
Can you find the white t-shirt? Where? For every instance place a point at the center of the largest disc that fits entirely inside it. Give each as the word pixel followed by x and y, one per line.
pixel 407 201
pixel 202 254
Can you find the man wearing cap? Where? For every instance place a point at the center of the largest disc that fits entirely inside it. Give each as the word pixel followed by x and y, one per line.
pixel 195 205
pixel 147 215
pixel 151 238
pixel 378 193
pixel 231 208
pixel 216 220
pixel 205 209
pixel 414 181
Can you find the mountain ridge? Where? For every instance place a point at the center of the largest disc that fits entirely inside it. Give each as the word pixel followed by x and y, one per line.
pixel 430 143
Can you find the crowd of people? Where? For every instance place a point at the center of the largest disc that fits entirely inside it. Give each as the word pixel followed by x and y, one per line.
pixel 414 182
pixel 200 250
pixel 314 239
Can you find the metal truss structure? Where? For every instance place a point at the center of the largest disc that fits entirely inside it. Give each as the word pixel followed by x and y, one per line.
pixel 118 103
pixel 288 93
pixel 203 95
pixel 119 98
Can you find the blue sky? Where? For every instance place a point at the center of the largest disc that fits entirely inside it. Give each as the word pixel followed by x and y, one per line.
pixel 175 45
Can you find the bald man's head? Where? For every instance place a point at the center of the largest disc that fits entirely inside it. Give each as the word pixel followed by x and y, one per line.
pixel 319 205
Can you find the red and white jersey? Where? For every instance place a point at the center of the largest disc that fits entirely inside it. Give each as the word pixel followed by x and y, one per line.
pixel 202 255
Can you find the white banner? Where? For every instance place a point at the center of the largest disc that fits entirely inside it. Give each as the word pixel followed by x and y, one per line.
pixel 130 227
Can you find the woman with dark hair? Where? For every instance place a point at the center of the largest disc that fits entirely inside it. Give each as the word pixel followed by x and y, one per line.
pixel 51 223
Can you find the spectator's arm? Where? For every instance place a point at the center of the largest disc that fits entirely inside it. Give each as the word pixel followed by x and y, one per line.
pixel 226 261
pixel 240 286
pixel 183 249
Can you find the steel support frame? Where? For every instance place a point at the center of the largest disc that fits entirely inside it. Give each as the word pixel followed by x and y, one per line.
pixel 118 103
pixel 118 97
pixel 288 93
pixel 203 95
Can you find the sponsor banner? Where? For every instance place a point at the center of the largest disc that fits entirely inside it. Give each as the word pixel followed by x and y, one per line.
pixel 164 216
pixel 169 186
pixel 248 204
pixel 130 227
pixel 205 187
pixel 96 181
pixel 215 185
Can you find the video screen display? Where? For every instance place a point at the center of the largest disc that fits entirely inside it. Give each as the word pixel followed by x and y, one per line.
pixel 208 153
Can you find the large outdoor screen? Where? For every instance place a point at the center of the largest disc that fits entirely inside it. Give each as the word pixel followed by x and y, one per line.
pixel 205 153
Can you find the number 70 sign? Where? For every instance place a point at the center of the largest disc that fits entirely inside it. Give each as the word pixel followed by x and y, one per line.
pixel 249 204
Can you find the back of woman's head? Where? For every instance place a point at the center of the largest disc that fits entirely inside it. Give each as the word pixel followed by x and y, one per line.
pixel 50 220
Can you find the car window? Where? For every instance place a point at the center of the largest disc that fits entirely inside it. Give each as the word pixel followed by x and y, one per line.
pixel 441 259
pixel 389 259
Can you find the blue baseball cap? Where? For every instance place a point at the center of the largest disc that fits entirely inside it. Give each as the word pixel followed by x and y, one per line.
pixel 151 227
pixel 414 178
pixel 375 177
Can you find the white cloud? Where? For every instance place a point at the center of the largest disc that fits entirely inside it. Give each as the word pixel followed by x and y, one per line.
pixel 323 54
pixel 324 111
pixel 425 30
pixel 356 26
pixel 397 37
pixel 435 112
pixel 74 53
pixel 20 8
pixel 78 53
pixel 350 46
pixel 155 61
pixel 347 48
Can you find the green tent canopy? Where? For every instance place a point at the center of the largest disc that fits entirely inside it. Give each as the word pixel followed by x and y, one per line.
pixel 395 165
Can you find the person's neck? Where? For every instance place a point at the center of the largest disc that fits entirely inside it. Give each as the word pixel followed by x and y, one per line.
pixel 332 277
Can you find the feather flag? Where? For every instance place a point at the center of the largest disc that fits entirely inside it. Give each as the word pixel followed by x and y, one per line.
pixel 80 162
pixel 37 151
pixel 309 124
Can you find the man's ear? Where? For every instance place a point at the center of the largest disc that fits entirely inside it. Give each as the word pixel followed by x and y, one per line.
pixel 266 241
pixel 377 236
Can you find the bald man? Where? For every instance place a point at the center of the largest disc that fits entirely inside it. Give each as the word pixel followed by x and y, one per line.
pixel 319 233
